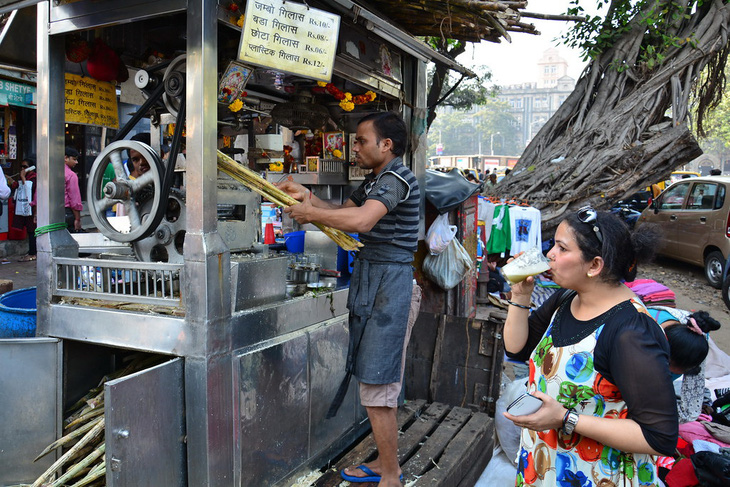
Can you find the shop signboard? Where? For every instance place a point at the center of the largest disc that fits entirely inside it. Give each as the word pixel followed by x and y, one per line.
pixel 12 93
pixel 91 102
pixel 290 37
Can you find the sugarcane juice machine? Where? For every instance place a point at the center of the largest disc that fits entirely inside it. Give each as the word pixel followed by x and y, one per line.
pixel 243 397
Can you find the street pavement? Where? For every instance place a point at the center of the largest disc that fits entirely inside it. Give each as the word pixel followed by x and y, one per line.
pixel 23 274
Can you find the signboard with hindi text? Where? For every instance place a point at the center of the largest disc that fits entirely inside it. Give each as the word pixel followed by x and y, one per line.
pixel 290 37
pixel 91 102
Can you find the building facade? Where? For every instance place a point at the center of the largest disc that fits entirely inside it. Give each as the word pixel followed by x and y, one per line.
pixel 533 103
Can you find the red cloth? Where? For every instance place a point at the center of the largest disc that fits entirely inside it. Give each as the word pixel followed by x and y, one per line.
pixel 682 475
pixel 103 63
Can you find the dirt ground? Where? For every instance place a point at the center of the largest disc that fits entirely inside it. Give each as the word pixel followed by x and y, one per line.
pixel 692 292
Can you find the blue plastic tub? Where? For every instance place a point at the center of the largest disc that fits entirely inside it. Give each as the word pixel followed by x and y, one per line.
pixel 18 313
pixel 294 242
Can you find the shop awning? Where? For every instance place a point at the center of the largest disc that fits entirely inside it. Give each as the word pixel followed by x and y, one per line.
pixel 10 5
pixel 389 32
pixel 18 39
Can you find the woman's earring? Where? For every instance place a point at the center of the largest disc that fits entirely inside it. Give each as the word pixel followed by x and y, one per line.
pixel 589 275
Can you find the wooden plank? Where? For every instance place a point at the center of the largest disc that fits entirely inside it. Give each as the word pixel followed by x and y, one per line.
pixel 436 365
pixel 420 429
pixel 470 445
pixel 436 443
pixel 366 448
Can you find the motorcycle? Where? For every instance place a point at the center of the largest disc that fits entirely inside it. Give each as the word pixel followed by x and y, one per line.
pixel 627 213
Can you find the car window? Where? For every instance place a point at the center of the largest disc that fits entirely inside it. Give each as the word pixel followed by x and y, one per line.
pixel 702 196
pixel 720 200
pixel 673 198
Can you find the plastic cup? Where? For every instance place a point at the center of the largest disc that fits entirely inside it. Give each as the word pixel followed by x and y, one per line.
pixel 530 263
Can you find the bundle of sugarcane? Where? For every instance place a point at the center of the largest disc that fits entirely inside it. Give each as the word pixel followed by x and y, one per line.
pixel 261 186
pixel 84 461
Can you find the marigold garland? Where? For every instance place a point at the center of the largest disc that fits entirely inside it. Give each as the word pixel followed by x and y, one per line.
pixel 346 99
pixel 235 106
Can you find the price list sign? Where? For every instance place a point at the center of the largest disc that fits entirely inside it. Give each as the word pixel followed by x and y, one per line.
pixel 290 37
pixel 91 102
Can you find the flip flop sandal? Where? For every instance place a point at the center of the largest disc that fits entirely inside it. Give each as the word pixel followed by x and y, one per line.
pixel 371 476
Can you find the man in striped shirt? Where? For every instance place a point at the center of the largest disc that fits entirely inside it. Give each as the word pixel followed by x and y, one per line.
pixel 383 300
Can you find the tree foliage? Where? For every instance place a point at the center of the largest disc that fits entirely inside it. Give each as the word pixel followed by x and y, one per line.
pixel 470 132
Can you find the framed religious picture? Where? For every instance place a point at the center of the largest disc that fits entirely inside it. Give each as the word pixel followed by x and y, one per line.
pixel 312 163
pixel 333 145
pixel 233 82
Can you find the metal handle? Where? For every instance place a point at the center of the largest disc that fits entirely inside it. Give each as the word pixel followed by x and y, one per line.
pixel 672 217
pixel 703 219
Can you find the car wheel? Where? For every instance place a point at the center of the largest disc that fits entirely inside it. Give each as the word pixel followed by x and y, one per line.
pixel 726 291
pixel 713 268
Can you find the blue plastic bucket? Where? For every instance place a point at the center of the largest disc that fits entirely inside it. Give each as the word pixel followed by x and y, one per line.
pixel 18 313
pixel 294 242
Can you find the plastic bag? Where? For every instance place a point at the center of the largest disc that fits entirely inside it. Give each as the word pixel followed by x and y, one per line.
pixel 440 234
pixel 448 268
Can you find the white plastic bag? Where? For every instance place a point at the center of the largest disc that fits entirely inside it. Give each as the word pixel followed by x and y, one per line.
pixel 448 268
pixel 440 234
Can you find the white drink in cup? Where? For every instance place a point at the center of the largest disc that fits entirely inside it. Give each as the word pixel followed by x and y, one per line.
pixel 530 263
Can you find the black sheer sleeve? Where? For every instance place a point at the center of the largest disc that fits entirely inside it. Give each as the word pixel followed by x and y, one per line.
pixel 538 322
pixel 638 364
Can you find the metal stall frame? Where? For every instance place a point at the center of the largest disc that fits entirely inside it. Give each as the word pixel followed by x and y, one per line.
pixel 223 353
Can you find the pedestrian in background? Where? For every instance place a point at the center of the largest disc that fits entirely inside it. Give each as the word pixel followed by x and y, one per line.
pixel 4 189
pixel 25 208
pixel 72 193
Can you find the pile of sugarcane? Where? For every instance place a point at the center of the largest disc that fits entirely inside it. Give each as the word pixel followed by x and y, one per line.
pixel 83 461
pixel 261 186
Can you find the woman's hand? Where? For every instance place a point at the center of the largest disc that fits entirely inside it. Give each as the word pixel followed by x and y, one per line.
pixel 524 288
pixel 549 416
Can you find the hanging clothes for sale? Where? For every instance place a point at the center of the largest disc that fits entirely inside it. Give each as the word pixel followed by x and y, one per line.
pixel 486 215
pixel 525 224
pixel 499 239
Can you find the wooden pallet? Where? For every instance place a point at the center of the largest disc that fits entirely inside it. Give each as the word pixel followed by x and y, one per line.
pixel 439 445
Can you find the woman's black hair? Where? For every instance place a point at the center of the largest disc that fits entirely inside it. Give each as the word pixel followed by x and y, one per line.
pixel 389 125
pixel 621 249
pixel 688 349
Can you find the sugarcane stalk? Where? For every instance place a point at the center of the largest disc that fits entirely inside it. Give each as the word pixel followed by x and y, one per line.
pixel 264 188
pixel 66 439
pixel 95 431
pixel 94 474
pixel 85 417
pixel 91 404
pixel 79 467
pixel 81 402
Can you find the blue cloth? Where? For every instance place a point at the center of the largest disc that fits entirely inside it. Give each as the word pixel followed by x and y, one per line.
pixel 379 298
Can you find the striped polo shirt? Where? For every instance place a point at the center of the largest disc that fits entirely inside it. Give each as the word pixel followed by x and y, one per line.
pixel 397 188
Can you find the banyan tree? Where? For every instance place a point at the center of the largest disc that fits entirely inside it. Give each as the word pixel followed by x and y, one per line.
pixel 627 123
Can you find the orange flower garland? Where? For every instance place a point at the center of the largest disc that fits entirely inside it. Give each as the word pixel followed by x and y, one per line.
pixel 347 101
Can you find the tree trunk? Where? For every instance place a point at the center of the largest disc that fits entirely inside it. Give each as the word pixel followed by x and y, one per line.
pixel 438 81
pixel 612 135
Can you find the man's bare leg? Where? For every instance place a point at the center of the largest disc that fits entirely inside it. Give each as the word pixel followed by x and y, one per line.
pixel 383 421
